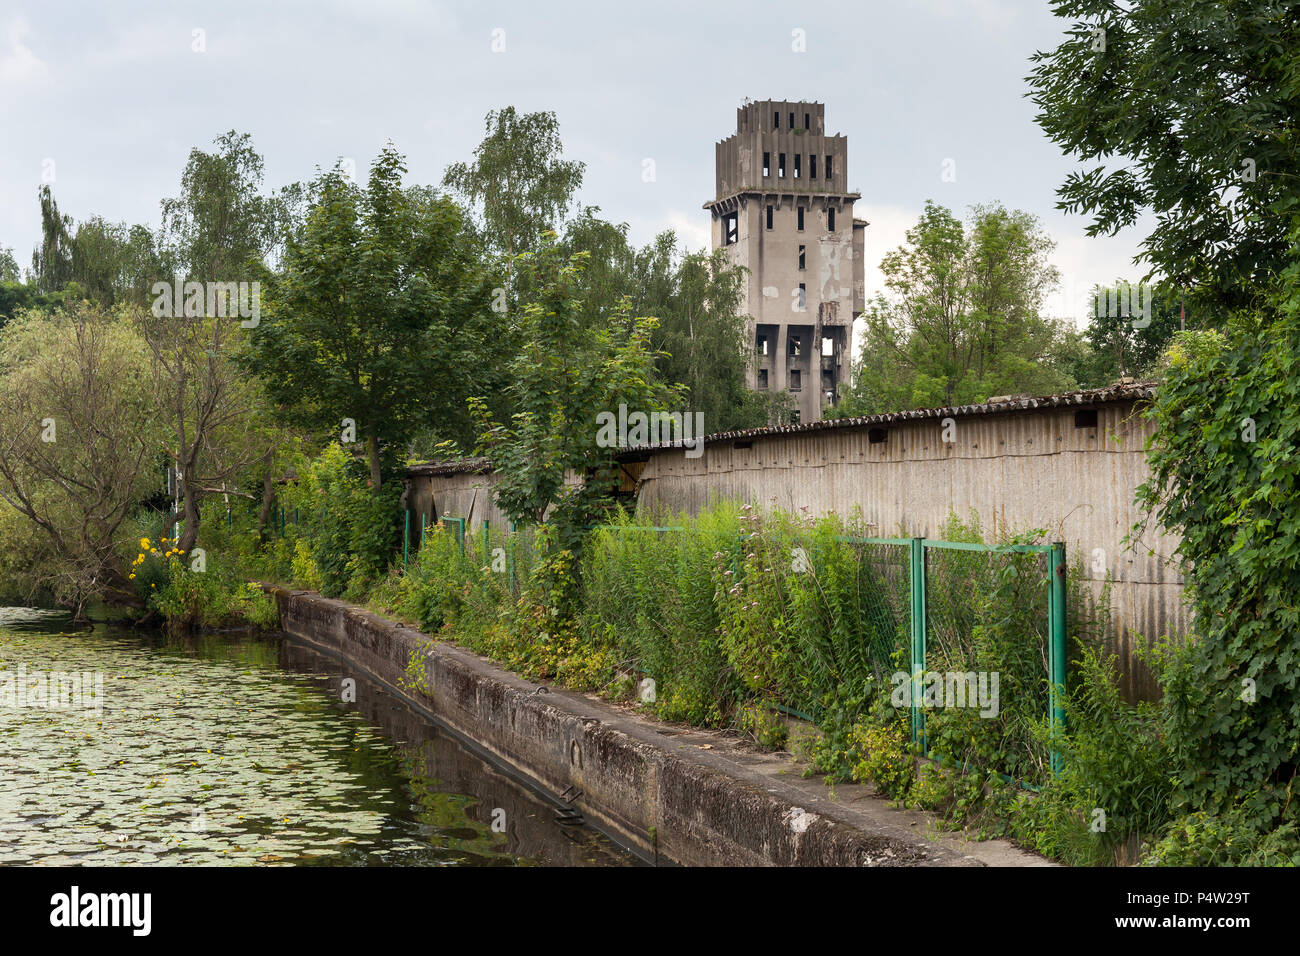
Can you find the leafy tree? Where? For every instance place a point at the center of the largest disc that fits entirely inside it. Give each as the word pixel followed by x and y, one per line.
pixel 1225 477
pixel 113 264
pixel 52 260
pixel 702 336
pixel 963 319
pixel 1122 345
pixel 518 185
pixel 379 315
pixel 1187 108
pixel 8 266
pixel 222 227
pixel 78 443
pixel 562 378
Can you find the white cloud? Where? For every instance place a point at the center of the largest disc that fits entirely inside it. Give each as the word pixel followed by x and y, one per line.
pixel 19 65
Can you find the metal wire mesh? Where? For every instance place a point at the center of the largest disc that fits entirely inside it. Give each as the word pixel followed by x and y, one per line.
pixel 986 659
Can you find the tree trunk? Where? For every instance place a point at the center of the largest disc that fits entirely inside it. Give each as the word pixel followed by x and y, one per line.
pixel 268 500
pixel 372 451
pixel 190 533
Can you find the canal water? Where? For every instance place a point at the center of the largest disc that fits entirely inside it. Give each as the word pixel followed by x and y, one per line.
pixel 127 747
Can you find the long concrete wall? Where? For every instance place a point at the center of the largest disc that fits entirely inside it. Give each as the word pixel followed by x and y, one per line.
pixel 668 799
pixel 1018 470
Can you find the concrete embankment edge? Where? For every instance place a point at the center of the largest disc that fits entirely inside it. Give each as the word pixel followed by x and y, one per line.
pixel 667 799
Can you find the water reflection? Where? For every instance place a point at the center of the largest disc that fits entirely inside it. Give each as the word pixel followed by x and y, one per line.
pixel 236 749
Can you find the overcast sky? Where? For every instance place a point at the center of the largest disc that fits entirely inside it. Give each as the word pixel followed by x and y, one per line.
pixel 109 98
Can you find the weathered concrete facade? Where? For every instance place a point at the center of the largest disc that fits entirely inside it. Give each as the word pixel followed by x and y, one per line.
pixel 1068 464
pixel 784 211
pixel 460 489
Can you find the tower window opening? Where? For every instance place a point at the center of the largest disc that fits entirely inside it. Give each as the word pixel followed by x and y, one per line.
pixel 762 378
pixel 762 345
pixel 812 166
pixel 803 297
pixel 806 124
pixel 767 164
pixel 829 174
pixel 796 345
pixel 796 380
pixel 730 229
pixel 801 218
pixel 797 168
pixel 828 346
pixel 792 121
pixel 803 258
pixel 769 217
pixel 830 219
pixel 776 119
pixel 780 165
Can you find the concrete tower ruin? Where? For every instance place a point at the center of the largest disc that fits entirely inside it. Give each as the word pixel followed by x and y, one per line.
pixel 784 211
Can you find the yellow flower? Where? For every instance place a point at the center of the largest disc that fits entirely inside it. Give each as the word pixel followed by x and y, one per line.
pixel 144 542
pixel 131 575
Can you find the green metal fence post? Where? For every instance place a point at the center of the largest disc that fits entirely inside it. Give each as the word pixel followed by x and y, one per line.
pixel 1057 647
pixel 486 560
pixel 423 526
pixel 918 643
pixel 510 556
pixel 406 536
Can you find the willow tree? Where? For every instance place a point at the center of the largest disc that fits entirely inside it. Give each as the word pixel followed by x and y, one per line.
pixel 79 442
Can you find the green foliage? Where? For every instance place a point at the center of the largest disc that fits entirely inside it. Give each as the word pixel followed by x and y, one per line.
pixel 221 228
pixel 1205 156
pixel 379 315
pixel 563 377
pixel 806 614
pixel 1116 756
pixel 764 724
pixel 518 184
pixel 1229 839
pixel 882 752
pixel 190 597
pixel 1115 347
pixel 351 529
pixel 963 319
pixel 442 585
pixel 80 378
pixel 650 596
pixel 1225 476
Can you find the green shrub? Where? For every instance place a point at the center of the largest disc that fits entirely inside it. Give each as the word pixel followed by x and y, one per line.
pixel 1225 478
pixel 883 756
pixel 764 725
pixel 352 531
pixel 1232 838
